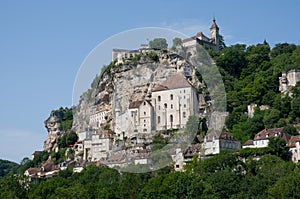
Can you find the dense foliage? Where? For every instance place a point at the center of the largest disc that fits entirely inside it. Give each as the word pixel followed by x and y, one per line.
pixel 6 167
pixel 251 76
pixel 221 176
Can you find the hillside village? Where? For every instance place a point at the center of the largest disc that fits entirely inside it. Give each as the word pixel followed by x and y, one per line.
pixel 145 98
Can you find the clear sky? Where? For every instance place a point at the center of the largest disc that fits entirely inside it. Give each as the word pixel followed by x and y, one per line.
pixel 43 44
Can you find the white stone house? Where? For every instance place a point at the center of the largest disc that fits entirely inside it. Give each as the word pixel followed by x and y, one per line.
pixel 294 145
pixel 141 116
pixel 174 101
pixel 96 147
pixel 261 139
pixel 288 80
pixel 216 141
pixel 98 118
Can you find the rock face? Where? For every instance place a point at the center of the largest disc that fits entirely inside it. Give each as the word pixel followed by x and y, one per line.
pixel 52 124
pixel 130 82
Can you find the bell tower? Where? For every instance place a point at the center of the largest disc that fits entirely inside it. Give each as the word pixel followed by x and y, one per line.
pixel 214 33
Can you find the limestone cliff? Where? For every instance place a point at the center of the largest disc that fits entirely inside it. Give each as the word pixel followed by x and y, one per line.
pixel 124 83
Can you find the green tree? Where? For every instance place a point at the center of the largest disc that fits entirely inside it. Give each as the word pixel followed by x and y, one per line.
pixel 176 42
pixel 232 59
pixel 159 43
pixel 286 186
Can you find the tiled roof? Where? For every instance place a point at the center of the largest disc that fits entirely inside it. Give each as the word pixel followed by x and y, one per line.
pixel 200 34
pixel 173 82
pixel 293 140
pixel 249 143
pixel 214 25
pixel 33 171
pixel 135 104
pixel 268 133
pixel 219 135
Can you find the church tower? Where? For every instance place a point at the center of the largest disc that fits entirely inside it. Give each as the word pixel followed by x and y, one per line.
pixel 214 33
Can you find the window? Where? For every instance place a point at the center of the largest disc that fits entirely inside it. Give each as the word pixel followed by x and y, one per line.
pixel 184 115
pixel 171 106
pixel 144 113
pixel 171 118
pixel 144 103
pixel 159 98
pixel 144 121
pixel 158 119
pixel 183 91
pixel 166 106
pixel 184 106
pixel 171 97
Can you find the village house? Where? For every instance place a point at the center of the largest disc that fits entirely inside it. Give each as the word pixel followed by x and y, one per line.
pixel 294 148
pixel 174 101
pixel 261 139
pixel 96 145
pixel 216 141
pixel 288 80
pixel 141 116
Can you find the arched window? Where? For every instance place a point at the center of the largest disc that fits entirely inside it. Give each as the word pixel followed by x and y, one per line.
pixel 171 118
pixel 166 106
pixel 183 115
pixel 171 106
pixel 159 98
pixel 158 119
pixel 171 96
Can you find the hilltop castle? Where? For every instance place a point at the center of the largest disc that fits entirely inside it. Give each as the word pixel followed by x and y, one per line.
pixel 212 43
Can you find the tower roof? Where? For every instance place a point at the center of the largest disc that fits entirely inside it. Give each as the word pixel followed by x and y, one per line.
pixel 214 25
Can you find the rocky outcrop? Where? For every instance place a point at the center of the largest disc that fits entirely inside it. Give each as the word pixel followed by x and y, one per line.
pixel 53 125
pixel 130 82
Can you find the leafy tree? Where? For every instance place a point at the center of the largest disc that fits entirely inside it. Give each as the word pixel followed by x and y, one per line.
pixel 271 117
pixel 158 43
pixel 232 59
pixel 176 42
pixel 6 167
pixel 289 129
pixel 278 147
pixel 286 186
pixel 283 48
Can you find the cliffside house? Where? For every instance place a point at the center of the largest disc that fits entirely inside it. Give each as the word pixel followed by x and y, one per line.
pixel 174 101
pixel 216 141
pixel 261 139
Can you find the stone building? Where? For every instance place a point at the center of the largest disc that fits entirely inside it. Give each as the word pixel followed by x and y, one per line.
pixel 288 80
pixel 294 148
pixel 208 43
pixel 261 139
pixel 217 140
pixel 96 145
pixel 174 101
pixel 141 116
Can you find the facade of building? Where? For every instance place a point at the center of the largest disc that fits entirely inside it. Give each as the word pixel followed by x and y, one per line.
pixel 294 148
pixel 288 80
pixel 96 145
pixel 216 141
pixel 98 118
pixel 173 102
pixel 261 139
pixel 141 116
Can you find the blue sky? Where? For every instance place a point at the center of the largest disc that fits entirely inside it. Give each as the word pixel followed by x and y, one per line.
pixel 43 44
